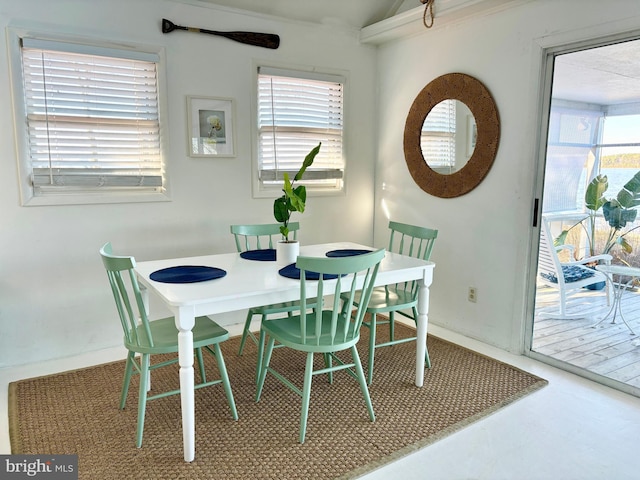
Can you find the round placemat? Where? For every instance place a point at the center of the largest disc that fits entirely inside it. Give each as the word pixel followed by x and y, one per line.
pixel 187 274
pixel 291 271
pixel 347 252
pixel 266 255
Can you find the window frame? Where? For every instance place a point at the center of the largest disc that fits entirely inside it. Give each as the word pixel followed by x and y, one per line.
pixel 73 195
pixel 259 189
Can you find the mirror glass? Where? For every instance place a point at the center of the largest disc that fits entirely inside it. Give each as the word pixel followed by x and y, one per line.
pixel 448 136
pixel 474 141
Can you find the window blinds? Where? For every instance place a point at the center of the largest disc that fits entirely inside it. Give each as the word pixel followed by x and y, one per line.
pixel 571 157
pixel 92 118
pixel 296 110
pixel 438 139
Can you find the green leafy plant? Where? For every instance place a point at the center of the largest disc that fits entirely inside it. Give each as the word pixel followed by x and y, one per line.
pixel 294 198
pixel 618 212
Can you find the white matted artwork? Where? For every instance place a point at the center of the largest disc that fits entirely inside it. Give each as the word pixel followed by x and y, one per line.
pixel 210 123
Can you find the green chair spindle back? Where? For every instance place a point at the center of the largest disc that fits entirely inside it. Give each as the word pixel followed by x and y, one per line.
pixel 325 330
pixel 129 317
pixel 350 270
pixel 413 241
pixel 260 236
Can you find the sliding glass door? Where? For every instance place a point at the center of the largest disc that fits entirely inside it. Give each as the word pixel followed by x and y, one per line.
pixel 591 147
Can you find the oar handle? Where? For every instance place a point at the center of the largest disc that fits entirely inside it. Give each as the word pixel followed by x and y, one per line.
pixel 169 26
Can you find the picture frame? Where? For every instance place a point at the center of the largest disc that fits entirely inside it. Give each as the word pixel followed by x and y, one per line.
pixel 472 134
pixel 210 126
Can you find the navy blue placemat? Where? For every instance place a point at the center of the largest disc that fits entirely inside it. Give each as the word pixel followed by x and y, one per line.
pixel 266 255
pixel 187 274
pixel 291 271
pixel 347 252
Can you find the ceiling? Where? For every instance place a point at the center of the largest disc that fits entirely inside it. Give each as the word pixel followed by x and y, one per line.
pixel 353 13
pixel 608 75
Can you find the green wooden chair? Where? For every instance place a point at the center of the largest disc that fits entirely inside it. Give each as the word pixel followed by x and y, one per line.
pixel 256 237
pixel 324 331
pixel 147 338
pixel 397 298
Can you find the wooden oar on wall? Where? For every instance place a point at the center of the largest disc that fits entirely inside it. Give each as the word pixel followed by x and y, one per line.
pixel 266 40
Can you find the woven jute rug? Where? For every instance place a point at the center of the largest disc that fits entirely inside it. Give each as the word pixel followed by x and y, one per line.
pixel 77 412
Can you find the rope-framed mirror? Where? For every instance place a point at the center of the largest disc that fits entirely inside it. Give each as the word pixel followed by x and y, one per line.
pixel 471 92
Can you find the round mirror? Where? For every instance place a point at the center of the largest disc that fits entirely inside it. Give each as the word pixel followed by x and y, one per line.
pixel 472 137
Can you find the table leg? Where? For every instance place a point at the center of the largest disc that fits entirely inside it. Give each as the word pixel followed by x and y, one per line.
pixel 622 290
pixel 616 308
pixel 144 293
pixel 185 320
pixel 422 324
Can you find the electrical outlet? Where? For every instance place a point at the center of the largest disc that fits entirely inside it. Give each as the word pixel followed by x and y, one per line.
pixel 473 294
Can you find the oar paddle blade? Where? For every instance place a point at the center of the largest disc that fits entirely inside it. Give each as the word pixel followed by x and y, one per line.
pixel 265 40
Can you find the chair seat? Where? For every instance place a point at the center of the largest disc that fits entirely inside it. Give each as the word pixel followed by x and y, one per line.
pixel 388 300
pixel 287 332
pixel 165 335
pixel 282 307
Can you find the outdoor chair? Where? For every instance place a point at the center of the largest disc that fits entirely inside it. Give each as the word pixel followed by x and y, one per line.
pixel 146 338
pixel 324 331
pixel 567 277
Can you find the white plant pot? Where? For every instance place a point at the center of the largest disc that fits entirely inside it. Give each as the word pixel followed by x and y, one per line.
pixel 287 252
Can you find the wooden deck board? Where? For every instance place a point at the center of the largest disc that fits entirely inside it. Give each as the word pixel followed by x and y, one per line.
pixel 592 353
pixel 608 349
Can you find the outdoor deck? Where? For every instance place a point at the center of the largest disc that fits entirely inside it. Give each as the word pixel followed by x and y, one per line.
pixel 608 349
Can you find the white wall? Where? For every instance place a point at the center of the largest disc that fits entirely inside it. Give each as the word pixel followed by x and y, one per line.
pixel 54 296
pixel 483 236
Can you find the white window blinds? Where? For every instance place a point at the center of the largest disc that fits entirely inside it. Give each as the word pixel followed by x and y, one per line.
pixel 571 157
pixel 438 138
pixel 92 118
pixel 296 110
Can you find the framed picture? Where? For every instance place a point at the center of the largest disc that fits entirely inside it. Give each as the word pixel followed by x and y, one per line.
pixel 210 123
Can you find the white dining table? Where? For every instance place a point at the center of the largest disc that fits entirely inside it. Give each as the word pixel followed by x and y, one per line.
pixel 250 283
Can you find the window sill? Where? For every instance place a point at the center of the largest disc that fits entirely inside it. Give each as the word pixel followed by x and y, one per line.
pixel 93 199
pixel 275 192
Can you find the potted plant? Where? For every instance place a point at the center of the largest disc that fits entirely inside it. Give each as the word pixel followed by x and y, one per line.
pixel 618 212
pixel 292 200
